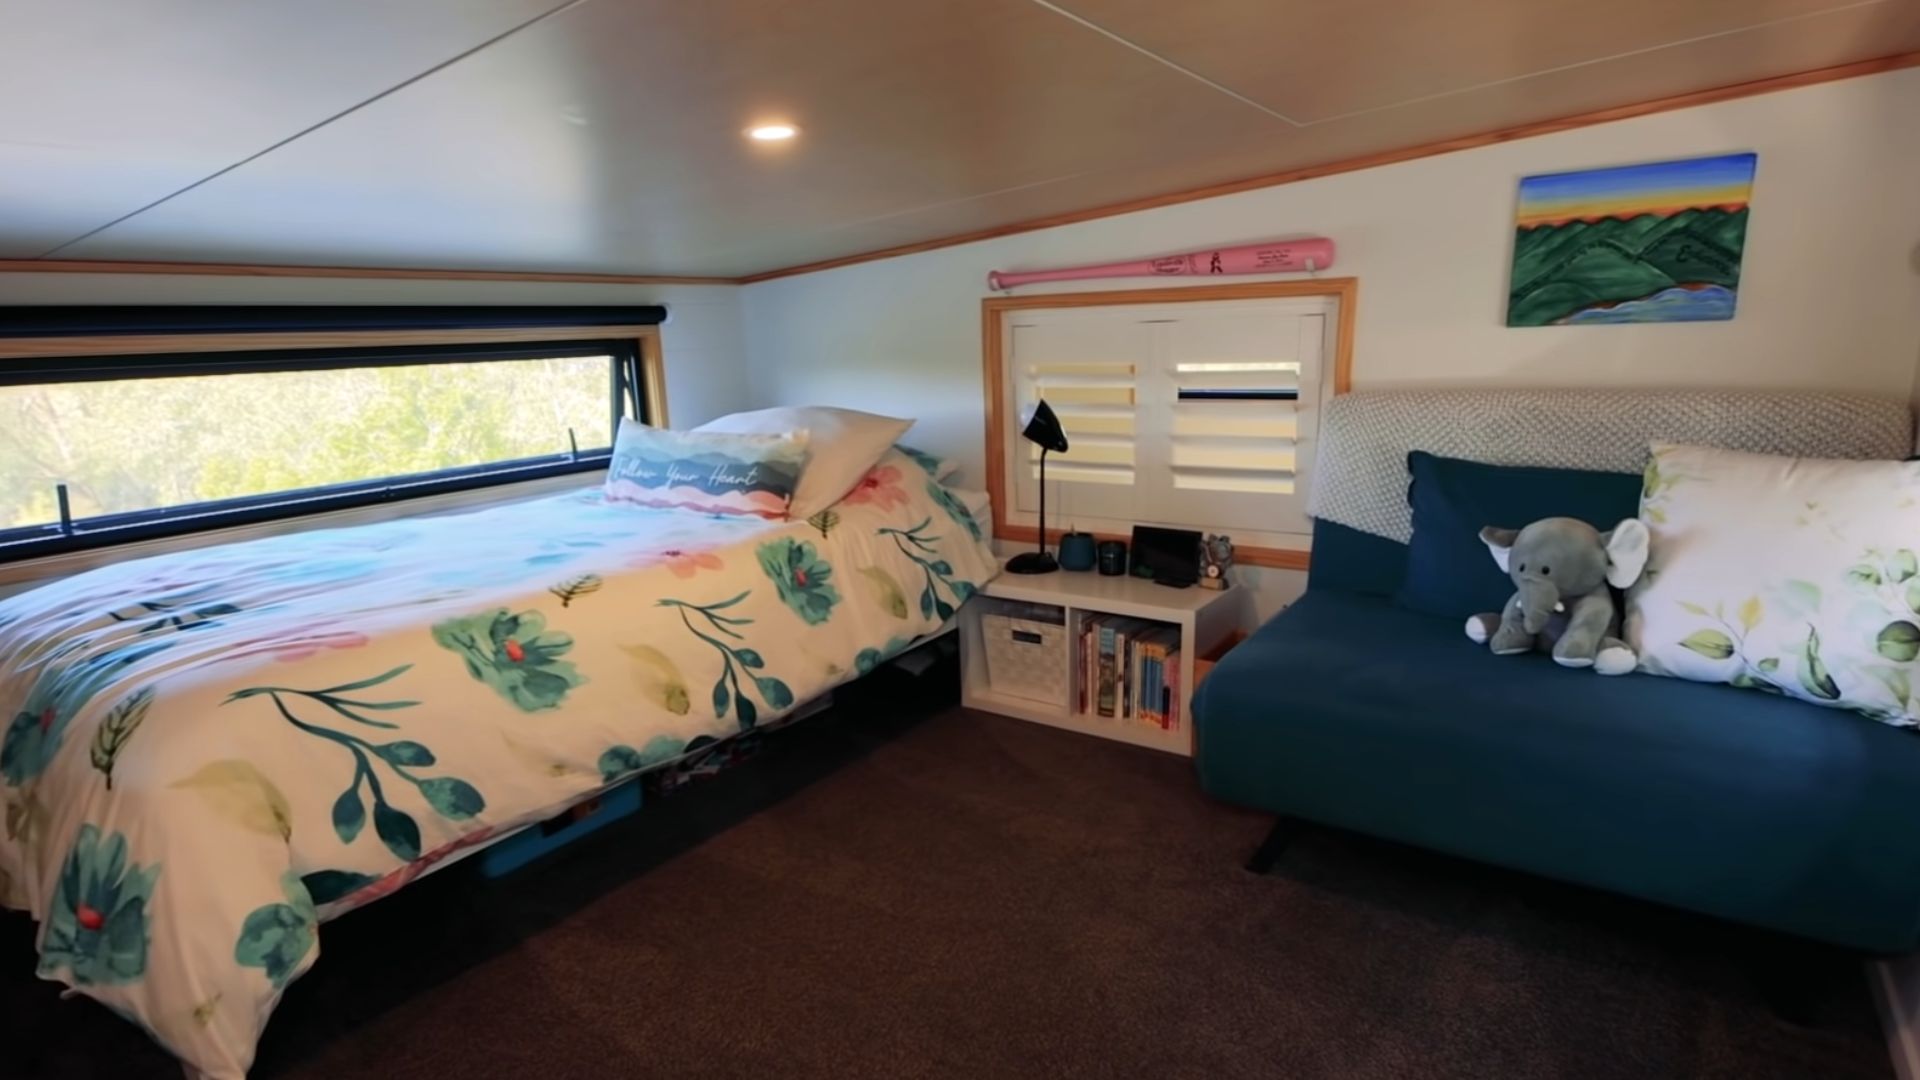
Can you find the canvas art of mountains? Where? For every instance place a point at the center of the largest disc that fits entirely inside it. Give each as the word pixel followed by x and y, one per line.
pixel 1641 243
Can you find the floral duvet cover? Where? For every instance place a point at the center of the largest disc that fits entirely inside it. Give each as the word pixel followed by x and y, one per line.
pixel 206 754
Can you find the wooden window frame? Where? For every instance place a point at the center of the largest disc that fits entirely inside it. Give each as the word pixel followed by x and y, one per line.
pixel 994 310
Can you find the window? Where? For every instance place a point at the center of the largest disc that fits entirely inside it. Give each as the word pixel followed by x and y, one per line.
pixel 149 444
pixel 1189 408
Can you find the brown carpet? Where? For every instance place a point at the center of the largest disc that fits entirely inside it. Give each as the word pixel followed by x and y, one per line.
pixel 968 896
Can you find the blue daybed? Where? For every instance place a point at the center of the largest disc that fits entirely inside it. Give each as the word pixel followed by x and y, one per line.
pixel 1348 709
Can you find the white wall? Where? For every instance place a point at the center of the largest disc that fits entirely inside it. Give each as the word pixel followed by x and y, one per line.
pixel 1829 293
pixel 701 342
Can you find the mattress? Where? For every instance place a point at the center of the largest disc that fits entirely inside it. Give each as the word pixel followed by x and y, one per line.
pixel 208 753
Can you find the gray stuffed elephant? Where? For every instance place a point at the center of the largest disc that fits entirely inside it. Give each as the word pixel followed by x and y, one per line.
pixel 1566 571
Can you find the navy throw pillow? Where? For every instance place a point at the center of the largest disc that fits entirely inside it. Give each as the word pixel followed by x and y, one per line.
pixel 1449 571
pixel 1348 560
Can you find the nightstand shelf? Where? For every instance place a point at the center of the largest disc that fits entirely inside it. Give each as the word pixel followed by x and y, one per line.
pixel 1206 620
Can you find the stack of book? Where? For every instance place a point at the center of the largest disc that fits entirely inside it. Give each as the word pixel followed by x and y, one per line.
pixel 1130 671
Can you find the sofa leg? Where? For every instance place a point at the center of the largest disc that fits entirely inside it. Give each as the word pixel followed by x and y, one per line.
pixel 1269 850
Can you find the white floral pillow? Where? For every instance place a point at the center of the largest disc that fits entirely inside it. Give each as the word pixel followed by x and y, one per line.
pixel 1783 574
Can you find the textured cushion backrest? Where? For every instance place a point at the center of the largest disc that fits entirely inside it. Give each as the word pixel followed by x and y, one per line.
pixel 1787 574
pixel 842 445
pixel 711 472
pixel 1360 470
pixel 1449 570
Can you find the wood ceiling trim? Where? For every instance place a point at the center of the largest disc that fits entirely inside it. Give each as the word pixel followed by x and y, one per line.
pixel 92 266
pixel 1853 70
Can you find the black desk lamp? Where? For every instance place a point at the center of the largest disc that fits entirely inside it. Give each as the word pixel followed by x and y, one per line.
pixel 1041 428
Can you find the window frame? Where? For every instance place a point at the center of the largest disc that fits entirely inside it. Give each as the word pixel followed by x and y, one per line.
pixel 1003 431
pixel 639 393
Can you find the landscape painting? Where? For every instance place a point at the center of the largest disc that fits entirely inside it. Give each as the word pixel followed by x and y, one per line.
pixel 1634 244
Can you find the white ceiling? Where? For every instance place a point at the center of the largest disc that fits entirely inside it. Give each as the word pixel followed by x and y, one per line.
pixel 605 135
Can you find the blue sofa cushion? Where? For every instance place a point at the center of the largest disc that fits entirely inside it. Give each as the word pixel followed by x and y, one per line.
pixel 1349 710
pixel 1349 560
pixel 1449 571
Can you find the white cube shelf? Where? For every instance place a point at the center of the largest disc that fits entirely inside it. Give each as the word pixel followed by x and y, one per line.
pixel 1206 618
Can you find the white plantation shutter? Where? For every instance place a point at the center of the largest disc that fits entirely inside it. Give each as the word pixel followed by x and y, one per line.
pixel 1234 425
pixel 1096 404
pixel 1193 415
pixel 1088 370
pixel 1242 387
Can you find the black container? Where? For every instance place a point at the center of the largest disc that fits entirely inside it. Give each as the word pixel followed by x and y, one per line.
pixel 1113 557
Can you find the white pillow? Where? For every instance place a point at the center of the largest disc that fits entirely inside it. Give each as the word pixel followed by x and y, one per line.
pixel 842 445
pixel 978 503
pixel 1783 574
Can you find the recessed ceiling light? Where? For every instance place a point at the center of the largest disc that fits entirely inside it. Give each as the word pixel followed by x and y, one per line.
pixel 772 132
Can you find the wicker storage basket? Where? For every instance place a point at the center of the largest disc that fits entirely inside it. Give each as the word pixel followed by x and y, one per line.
pixel 1027 654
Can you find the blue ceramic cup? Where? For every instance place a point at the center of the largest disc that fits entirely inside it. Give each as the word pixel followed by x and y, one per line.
pixel 1076 551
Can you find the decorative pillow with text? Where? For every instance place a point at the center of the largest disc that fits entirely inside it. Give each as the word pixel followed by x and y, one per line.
pixel 707 472
pixel 842 444
pixel 1789 575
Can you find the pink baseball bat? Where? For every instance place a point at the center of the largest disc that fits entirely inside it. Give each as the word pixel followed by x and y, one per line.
pixel 1278 256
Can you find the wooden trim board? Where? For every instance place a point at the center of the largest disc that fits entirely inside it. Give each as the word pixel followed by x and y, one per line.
pixel 653 369
pixel 88 266
pixel 993 361
pixel 1274 558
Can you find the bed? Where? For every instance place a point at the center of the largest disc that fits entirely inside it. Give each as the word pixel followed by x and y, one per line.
pixel 207 754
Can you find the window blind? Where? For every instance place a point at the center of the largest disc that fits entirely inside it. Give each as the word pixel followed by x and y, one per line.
pixel 1234 425
pixel 1192 415
pixel 1096 402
